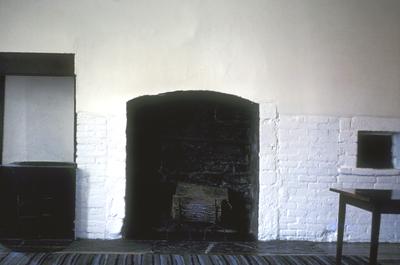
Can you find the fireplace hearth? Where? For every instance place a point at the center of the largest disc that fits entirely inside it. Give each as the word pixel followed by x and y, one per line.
pixel 192 167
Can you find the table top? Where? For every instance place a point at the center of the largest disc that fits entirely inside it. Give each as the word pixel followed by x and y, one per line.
pixel 370 195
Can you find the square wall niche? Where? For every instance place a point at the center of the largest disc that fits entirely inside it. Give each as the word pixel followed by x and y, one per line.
pixel 369 146
pixel 375 150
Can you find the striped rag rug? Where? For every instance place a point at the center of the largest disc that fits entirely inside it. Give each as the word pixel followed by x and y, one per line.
pixel 54 258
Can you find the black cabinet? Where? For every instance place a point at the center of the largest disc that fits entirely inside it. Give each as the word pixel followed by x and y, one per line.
pixel 37 200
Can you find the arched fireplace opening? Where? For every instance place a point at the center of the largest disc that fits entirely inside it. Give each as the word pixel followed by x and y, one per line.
pixel 192 167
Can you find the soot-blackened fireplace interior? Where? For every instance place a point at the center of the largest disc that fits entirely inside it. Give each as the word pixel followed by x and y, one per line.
pixel 192 167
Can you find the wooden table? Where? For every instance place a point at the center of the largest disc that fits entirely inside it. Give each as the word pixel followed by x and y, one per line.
pixel 377 202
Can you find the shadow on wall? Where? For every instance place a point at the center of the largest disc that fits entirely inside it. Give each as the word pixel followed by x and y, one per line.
pixel 81 206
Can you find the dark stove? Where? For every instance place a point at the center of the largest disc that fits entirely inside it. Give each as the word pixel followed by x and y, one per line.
pixel 37 200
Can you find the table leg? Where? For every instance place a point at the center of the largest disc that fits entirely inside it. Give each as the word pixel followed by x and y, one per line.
pixel 373 252
pixel 340 231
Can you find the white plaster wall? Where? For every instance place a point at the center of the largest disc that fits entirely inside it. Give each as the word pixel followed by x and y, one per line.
pixel 311 57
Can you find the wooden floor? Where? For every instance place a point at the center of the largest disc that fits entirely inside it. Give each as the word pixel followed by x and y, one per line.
pixel 389 254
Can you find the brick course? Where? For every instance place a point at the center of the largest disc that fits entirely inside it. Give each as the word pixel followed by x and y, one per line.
pixel 301 157
pixel 314 153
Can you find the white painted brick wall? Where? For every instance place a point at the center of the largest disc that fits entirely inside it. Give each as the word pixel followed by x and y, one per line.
pixel 269 189
pixel 352 177
pixel 91 158
pixel 301 157
pixel 313 154
pixel 305 177
pixel 100 205
pixel 115 183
